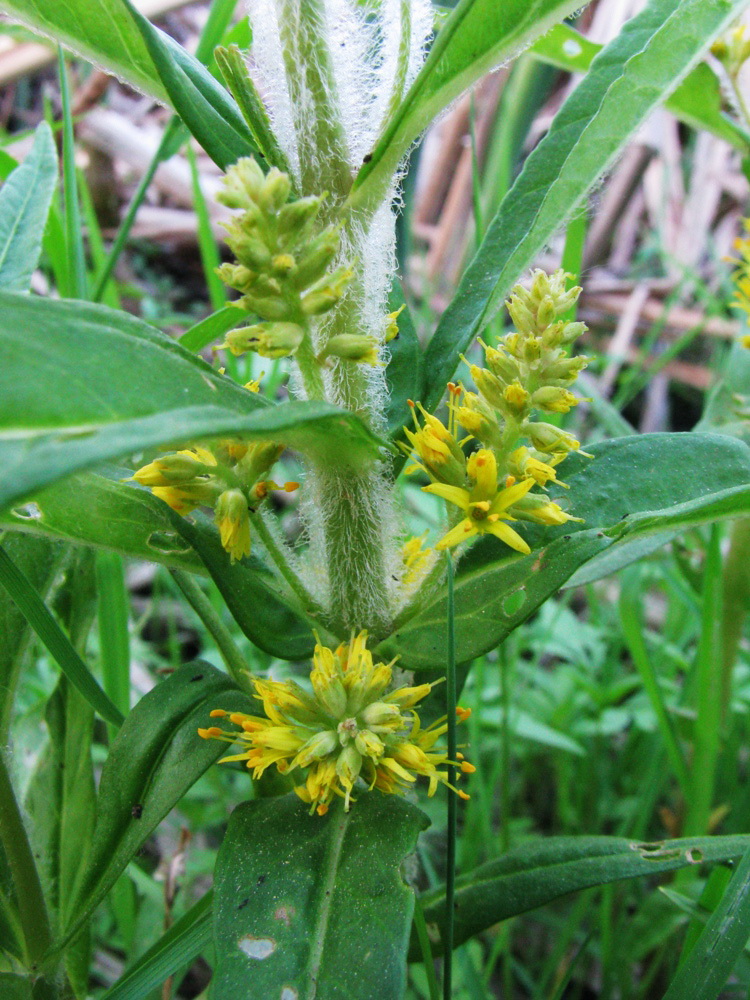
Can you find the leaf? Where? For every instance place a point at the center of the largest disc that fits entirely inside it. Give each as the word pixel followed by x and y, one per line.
pixel 175 949
pixel 25 199
pixel 54 638
pixel 634 487
pixel 212 327
pixel 207 110
pixel 15 987
pixel 81 384
pixel 630 77
pixel 404 369
pixel 267 615
pixel 156 757
pixel 99 509
pixel 333 920
pixel 619 555
pixel 40 560
pixel 99 30
pixel 478 35
pixel 698 101
pixel 534 874
pixel 708 966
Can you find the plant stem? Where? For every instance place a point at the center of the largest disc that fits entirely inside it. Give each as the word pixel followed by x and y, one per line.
pixel 73 228
pixel 450 861
pixel 198 601
pixel 276 553
pixel 31 905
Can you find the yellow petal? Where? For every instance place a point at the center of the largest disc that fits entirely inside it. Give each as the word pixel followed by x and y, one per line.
pixel 454 494
pixel 464 529
pixel 506 534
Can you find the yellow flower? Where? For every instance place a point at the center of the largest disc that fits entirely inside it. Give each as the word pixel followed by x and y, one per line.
pixel 391 324
pixel 485 505
pixel 177 468
pixel 436 445
pixel 525 465
pixel 233 522
pixel 350 732
pixel 416 558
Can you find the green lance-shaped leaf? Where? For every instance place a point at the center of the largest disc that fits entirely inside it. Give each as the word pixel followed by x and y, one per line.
pixel 634 487
pixel 705 971
pixel 205 107
pixel 24 205
pixel 331 921
pixel 627 79
pixel 175 950
pixel 156 757
pixel 535 874
pixel 478 35
pixel 99 30
pixel 99 509
pixel 81 384
pixel 698 101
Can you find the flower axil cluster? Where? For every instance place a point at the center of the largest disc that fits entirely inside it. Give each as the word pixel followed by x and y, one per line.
pixel 508 477
pixel 350 731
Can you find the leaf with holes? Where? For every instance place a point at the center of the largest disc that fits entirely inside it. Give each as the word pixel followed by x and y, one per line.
pixel 537 873
pixel 634 488
pixel 331 921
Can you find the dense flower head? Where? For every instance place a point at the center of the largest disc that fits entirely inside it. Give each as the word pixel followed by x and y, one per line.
pixel 228 475
pixel 350 732
pixel 528 370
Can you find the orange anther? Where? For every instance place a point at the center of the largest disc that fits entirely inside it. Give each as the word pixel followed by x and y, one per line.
pixel 217 713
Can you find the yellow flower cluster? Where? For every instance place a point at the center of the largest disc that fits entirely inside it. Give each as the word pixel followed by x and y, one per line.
pixel 227 475
pixel 732 49
pixel 528 370
pixel 350 730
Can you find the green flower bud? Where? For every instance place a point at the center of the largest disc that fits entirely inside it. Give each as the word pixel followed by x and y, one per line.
pixel 326 293
pixel 295 217
pixel 353 347
pixel 562 369
pixel 380 713
pixel 270 340
pixel 540 510
pixel 553 399
pixel 237 276
pixel 275 191
pixel 283 265
pixel 502 365
pixel 550 439
pixel 490 387
pixel 248 248
pixel 242 185
pixel 317 747
pixel 267 307
pixel 315 258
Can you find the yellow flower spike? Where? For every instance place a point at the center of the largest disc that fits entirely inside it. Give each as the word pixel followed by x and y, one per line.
pixel 368 739
pixel 233 521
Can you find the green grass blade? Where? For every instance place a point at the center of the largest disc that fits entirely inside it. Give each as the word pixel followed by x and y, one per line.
pixel 182 943
pixel 114 640
pixel 73 225
pixel 97 251
pixel 632 630
pixel 709 690
pixel 55 640
pixel 707 968
pixel 217 290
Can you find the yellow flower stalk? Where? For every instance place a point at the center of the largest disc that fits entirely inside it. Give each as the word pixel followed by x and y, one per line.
pixel 350 733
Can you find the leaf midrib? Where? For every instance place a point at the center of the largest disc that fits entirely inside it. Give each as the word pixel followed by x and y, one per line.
pixel 327 887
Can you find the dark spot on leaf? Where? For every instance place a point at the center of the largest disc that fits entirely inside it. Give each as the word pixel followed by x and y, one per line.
pixel 261 879
pixel 367 157
pixel 137 811
pixel 243 904
pixel 198 677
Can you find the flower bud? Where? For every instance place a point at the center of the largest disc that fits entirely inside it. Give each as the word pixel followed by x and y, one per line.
pixel 501 365
pixel 554 400
pixel 380 713
pixel 326 293
pixel 283 265
pixel 369 745
pixel 242 184
pixel 391 324
pixel 489 386
pixel 180 467
pixel 516 398
pixel 233 521
pixel 317 747
pixel 248 248
pixel 270 340
pixel 550 439
pixel 562 369
pixel 266 306
pixel 540 510
pixel 353 347
pixel 237 276
pixel 275 190
pixel 296 216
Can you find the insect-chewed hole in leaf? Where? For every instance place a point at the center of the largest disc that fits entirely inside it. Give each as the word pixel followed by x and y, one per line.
pixel 166 542
pixel 289 993
pixel 513 603
pixel 657 851
pixel 694 855
pixel 254 947
pixel 29 512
